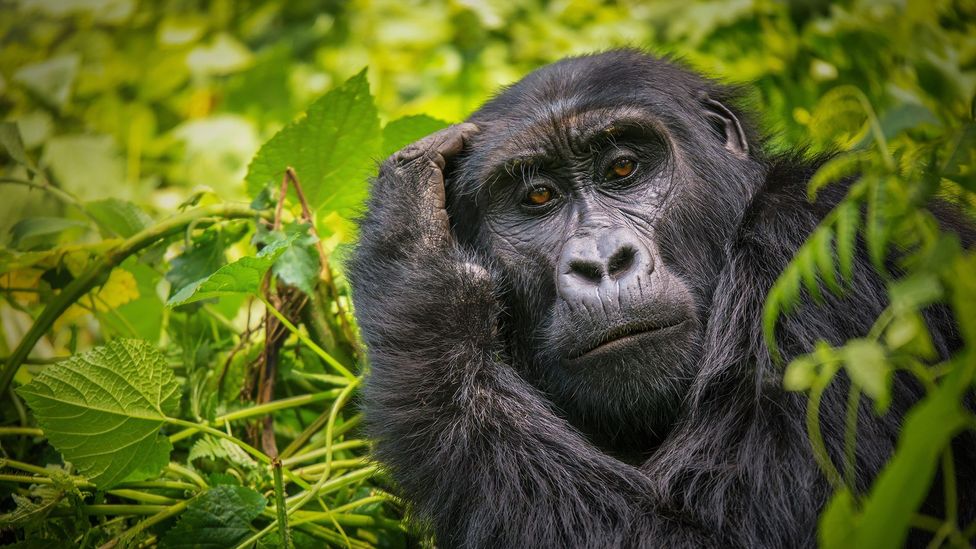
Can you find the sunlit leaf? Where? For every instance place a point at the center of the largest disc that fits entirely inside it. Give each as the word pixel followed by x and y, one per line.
pixel 403 131
pixel 333 149
pixel 240 277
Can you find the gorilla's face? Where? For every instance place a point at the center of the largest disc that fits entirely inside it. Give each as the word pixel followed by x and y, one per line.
pixel 599 224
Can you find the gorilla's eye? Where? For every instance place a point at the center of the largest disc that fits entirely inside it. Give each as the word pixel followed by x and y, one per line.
pixel 538 196
pixel 620 168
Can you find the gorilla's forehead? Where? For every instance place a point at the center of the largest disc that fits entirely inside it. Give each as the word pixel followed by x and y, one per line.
pixel 554 111
pixel 559 130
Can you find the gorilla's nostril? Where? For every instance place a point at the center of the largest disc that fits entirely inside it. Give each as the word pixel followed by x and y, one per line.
pixel 621 261
pixel 586 269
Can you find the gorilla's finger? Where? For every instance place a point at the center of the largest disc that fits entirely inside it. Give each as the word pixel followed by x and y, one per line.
pixel 438 146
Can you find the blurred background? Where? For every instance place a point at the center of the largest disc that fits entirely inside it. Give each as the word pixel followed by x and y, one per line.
pixel 150 101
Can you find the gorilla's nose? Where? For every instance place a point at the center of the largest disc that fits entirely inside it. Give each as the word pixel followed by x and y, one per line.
pixel 606 255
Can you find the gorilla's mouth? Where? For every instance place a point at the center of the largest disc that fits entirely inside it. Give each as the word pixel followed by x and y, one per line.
pixel 626 335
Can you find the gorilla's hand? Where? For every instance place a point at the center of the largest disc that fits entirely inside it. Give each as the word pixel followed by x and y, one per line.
pixel 408 195
pixel 461 431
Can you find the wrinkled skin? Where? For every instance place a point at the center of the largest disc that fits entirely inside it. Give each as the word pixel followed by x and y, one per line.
pixel 561 299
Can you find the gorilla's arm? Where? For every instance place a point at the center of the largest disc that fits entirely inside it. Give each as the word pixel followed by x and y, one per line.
pixel 472 444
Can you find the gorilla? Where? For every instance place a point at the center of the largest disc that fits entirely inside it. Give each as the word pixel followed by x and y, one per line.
pixel 561 300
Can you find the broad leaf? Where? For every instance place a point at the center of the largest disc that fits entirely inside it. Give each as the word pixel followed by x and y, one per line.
pixel 403 131
pixel 118 217
pixel 240 277
pixel 299 265
pixel 103 409
pixel 333 149
pixel 38 232
pixel 218 518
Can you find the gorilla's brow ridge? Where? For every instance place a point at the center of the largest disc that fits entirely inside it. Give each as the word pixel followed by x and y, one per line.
pixel 588 137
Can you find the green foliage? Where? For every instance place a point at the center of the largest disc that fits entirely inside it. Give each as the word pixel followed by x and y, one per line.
pixel 218 518
pixel 204 338
pixel 331 149
pixel 116 396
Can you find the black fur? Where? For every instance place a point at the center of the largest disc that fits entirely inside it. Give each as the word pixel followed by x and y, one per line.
pixel 688 441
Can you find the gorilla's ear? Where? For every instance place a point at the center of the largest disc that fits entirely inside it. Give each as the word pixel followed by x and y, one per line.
pixel 725 123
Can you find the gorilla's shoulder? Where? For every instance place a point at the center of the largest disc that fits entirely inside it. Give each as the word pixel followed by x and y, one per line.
pixel 781 211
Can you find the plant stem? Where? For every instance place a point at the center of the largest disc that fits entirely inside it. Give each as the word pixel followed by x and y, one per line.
pixel 280 509
pixel 258 454
pixel 98 273
pixel 160 516
pixel 262 409
pixel 336 365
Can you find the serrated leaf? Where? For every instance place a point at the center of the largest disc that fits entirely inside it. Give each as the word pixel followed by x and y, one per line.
pixel 333 149
pixel 118 217
pixel 868 367
pixel 212 448
pixel 28 511
pixel 404 131
pixel 218 518
pixel 848 220
pixel 240 277
pixel 103 409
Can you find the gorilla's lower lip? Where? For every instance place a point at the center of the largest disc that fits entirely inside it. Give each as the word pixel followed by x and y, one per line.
pixel 625 335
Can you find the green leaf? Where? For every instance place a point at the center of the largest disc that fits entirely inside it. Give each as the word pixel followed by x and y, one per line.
pixel 299 265
pixel 904 482
pixel 877 227
pixel 103 409
pixel 240 277
pixel 868 367
pixel 838 521
pixel 908 332
pixel 41 232
pixel 201 258
pixel 848 220
pixel 218 448
pixel 11 141
pixel 915 292
pixel 806 262
pixel 332 149
pixel 220 517
pixel 51 80
pixel 404 131
pixel 118 217
pixel 838 168
pixel 824 251
pixel 800 373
